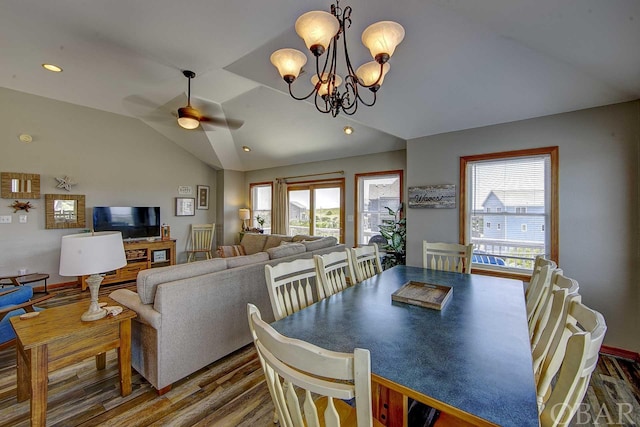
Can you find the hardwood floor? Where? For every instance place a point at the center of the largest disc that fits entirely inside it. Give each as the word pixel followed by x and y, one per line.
pixel 232 392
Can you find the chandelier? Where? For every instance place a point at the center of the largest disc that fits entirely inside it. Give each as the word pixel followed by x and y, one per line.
pixel 321 32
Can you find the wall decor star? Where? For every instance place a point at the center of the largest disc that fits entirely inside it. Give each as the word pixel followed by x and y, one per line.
pixel 65 182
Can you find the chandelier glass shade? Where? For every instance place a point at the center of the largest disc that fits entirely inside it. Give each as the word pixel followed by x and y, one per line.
pixel 321 32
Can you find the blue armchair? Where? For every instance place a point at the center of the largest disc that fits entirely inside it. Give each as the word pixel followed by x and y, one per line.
pixel 14 302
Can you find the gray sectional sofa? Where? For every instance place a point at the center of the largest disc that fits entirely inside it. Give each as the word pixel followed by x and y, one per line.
pixel 190 315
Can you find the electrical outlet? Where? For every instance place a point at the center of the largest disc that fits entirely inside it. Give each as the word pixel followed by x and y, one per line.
pixel 23 219
pixel 5 219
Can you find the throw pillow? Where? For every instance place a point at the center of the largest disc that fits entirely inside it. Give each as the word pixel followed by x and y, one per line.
pixel 229 251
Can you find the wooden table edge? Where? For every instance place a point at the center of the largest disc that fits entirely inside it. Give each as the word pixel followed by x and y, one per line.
pixel 441 406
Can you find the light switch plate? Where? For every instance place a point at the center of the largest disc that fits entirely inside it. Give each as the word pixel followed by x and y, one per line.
pixel 5 219
pixel 23 219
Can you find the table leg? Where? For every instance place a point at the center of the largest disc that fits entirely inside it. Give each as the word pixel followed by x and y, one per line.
pixel 39 385
pixel 23 382
pixel 124 357
pixel 101 361
pixel 389 406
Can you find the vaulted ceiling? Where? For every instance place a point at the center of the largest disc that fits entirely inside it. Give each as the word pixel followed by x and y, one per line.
pixel 463 64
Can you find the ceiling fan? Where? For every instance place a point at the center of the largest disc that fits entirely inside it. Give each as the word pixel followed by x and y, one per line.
pixel 190 117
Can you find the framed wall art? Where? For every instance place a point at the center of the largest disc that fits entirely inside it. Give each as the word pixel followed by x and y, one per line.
pixel 64 211
pixel 433 196
pixel 203 197
pixel 185 206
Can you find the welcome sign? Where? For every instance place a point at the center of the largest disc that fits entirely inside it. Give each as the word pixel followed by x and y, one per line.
pixel 433 196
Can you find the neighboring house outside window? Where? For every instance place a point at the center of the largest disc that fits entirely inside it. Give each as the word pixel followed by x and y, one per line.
pixel 375 192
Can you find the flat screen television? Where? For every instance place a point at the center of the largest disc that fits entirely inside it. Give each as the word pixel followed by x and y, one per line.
pixel 134 222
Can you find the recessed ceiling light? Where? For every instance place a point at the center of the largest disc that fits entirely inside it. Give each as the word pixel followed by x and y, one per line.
pixel 245 148
pixel 348 130
pixel 52 67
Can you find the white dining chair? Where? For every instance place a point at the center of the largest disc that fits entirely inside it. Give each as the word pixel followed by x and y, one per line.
pixel 539 262
pixel 573 358
pixel 365 261
pixel 539 294
pixel 447 256
pixel 549 317
pixel 334 271
pixel 297 370
pixel 291 286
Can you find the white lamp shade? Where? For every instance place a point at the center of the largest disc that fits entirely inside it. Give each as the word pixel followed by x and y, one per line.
pixel 382 37
pixel 324 86
pixel 91 253
pixel 244 214
pixel 368 73
pixel 289 62
pixel 317 28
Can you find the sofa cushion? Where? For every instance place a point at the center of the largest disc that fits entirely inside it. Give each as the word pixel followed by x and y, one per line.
pixel 274 240
pixel 149 279
pixel 286 250
pixel 230 251
pixel 247 259
pixel 321 243
pixel 253 243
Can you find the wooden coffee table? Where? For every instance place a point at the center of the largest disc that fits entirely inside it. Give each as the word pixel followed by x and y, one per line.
pixel 57 338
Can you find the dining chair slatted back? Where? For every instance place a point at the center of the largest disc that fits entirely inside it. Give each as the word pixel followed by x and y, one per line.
pixel 535 300
pixel 290 286
pixel 334 271
pixel 549 318
pixel 573 358
pixel 296 370
pixel 539 262
pixel 201 241
pixel 447 256
pixel 365 261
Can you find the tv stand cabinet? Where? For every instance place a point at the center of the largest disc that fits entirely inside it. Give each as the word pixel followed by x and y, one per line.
pixel 141 255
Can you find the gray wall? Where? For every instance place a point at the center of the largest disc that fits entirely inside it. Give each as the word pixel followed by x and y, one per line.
pixel 116 161
pixel 394 160
pixel 599 151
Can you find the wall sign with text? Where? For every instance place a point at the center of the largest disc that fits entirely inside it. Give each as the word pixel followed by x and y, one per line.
pixel 433 196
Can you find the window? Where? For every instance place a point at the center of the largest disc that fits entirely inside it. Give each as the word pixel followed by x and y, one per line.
pixel 261 197
pixel 525 184
pixel 499 226
pixel 317 208
pixel 498 209
pixel 374 193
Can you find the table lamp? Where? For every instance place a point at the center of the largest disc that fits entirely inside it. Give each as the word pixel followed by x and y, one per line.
pixel 244 214
pixel 92 254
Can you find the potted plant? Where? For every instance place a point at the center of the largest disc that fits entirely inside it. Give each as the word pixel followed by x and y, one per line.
pixel 260 220
pixel 395 232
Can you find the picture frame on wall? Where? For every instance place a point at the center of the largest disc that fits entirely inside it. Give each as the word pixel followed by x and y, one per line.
pixel 433 196
pixel 203 197
pixel 185 206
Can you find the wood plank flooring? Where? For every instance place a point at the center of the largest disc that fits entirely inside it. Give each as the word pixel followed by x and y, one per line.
pixel 232 392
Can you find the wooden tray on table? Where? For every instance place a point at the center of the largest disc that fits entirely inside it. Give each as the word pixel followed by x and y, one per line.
pixel 423 294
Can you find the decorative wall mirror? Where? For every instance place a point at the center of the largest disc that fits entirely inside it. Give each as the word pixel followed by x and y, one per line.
pixel 64 211
pixel 20 185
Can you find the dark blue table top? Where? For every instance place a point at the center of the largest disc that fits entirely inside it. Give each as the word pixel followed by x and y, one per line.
pixel 474 355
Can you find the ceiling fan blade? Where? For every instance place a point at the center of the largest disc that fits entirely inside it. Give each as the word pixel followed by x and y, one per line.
pixel 232 124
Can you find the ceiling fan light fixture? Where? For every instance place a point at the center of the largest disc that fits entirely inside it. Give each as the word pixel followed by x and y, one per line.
pixel 188 117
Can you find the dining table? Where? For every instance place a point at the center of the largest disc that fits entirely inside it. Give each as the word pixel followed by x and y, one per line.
pixel 470 360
